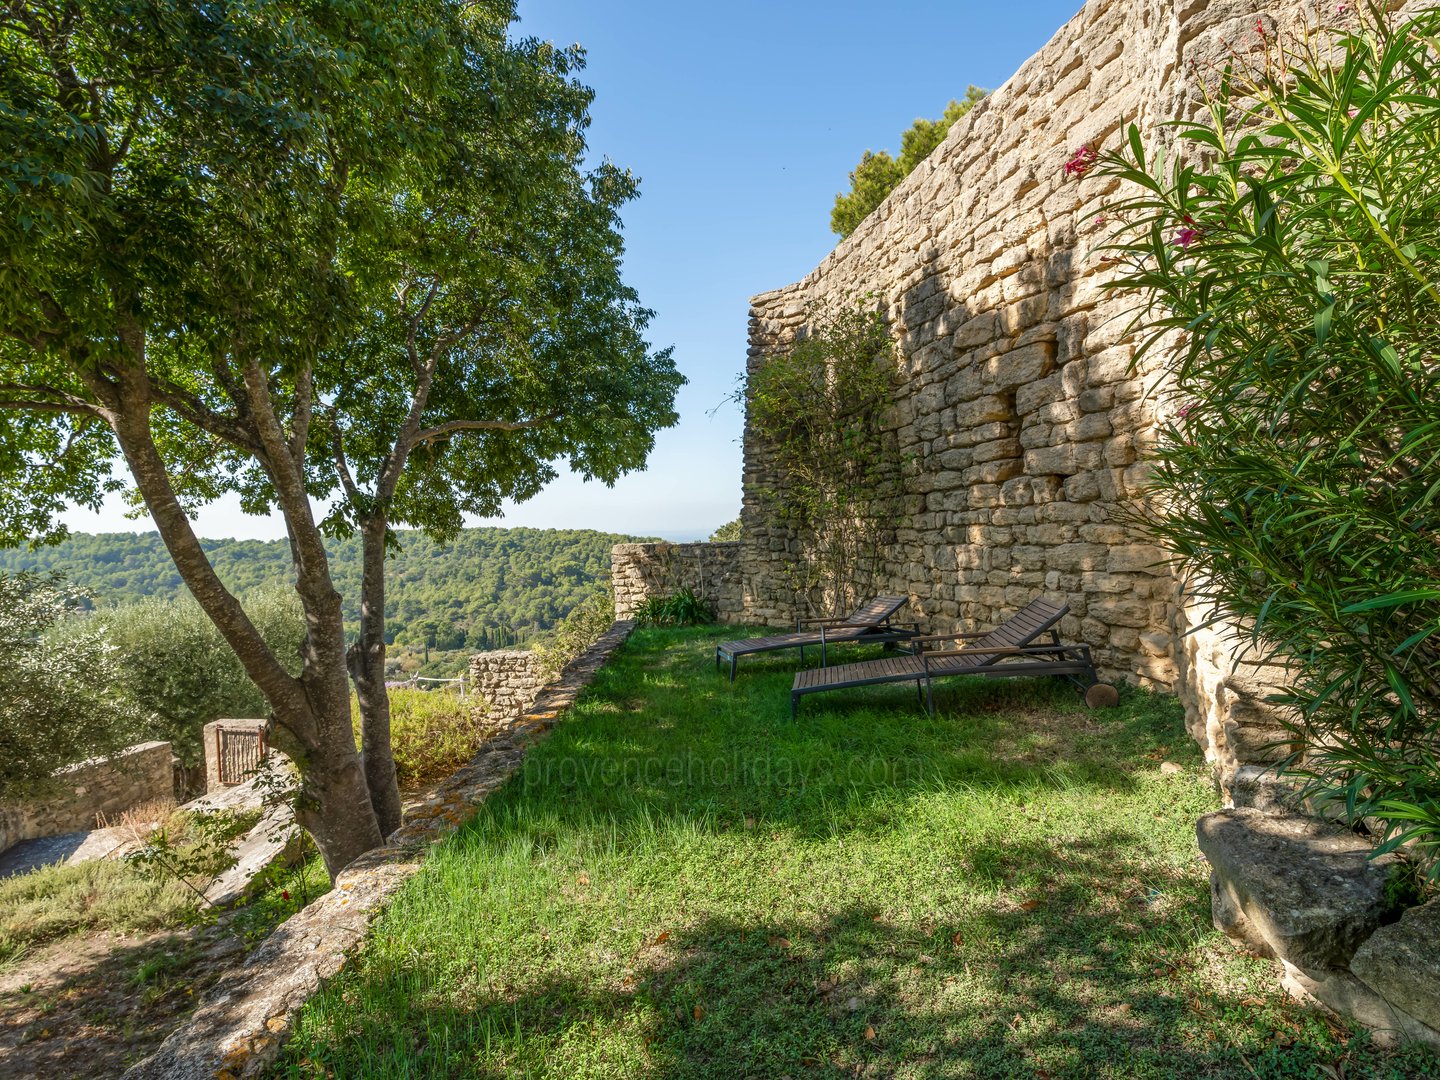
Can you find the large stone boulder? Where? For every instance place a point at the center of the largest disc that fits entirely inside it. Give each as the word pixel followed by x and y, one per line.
pixel 1401 962
pixel 1301 890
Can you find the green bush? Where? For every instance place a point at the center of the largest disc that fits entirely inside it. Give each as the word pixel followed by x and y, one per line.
pixel 727 532
pixel 1294 237
pixel 55 708
pixel 171 662
pixel 681 608
pixel 432 733
pixel 577 632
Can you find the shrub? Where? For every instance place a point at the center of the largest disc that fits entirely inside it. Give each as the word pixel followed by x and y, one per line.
pixel 681 608
pixel 55 708
pixel 172 662
pixel 1295 239
pixel 432 733
pixel 577 631
pixel 729 531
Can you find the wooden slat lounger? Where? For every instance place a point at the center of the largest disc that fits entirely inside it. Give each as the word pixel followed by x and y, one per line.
pixel 1009 650
pixel 871 623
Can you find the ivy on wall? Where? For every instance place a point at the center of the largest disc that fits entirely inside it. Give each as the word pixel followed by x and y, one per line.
pixel 822 408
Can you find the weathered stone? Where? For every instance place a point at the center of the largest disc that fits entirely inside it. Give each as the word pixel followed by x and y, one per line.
pixel 1342 993
pixel 275 838
pixel 711 571
pixel 1401 962
pixel 1294 888
pixel 101 787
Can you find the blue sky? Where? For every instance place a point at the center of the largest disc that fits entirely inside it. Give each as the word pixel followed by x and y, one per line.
pixel 742 120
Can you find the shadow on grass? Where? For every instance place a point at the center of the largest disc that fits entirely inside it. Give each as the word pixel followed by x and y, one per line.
pixel 731 930
pixel 660 727
pixel 106 1011
pixel 1059 990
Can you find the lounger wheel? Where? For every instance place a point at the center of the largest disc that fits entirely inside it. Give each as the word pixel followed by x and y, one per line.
pixel 1102 696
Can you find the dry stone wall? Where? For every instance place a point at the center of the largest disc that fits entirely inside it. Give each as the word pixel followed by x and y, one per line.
pixel 108 786
pixel 507 680
pixel 712 571
pixel 1021 416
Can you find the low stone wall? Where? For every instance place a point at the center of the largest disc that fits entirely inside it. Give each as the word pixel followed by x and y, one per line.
pixel 239 1028
pixel 712 571
pixel 507 680
pixel 104 786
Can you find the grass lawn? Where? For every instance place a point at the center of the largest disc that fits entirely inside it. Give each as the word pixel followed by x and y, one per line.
pixel 683 883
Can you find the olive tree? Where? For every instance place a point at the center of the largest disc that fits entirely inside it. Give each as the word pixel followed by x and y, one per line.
pixel 339 258
pixel 55 708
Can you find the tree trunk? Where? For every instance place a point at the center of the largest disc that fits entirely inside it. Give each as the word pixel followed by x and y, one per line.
pixel 367 669
pixel 314 710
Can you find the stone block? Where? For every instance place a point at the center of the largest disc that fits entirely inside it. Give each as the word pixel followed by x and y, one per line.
pixel 1401 963
pixel 1021 367
pixel 1291 887
pixel 1340 992
pixel 1144 558
pixel 1063 460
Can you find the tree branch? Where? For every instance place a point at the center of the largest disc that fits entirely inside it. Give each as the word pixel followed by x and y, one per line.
pixel 444 431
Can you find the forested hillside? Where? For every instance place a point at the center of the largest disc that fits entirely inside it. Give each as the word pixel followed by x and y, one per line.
pixel 486 588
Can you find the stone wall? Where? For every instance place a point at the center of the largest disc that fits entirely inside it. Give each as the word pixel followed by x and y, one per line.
pixel 1022 420
pixel 507 680
pixel 107 786
pixel 641 571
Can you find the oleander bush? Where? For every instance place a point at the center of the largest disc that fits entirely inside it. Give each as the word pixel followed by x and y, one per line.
pixel 1291 235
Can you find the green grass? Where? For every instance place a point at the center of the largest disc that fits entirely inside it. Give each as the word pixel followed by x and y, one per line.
pixel 682 882
pixel 56 901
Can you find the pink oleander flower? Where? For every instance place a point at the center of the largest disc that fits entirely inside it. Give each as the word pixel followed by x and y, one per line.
pixel 1081 162
pixel 1187 409
pixel 1188 234
pixel 1100 221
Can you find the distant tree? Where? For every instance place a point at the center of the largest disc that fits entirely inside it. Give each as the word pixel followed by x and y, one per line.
pixel 171 662
pixel 878 173
pixel 55 704
pixel 729 531
pixel 255 257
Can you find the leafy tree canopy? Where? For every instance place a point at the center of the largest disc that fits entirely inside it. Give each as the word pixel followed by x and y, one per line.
pixel 346 250
pixel 878 173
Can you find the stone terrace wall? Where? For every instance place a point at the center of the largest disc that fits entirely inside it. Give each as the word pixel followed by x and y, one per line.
pixel 507 680
pixel 109 786
pixel 1022 419
pixel 712 571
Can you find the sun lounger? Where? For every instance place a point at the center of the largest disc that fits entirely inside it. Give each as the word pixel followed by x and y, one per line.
pixel 871 623
pixel 1014 648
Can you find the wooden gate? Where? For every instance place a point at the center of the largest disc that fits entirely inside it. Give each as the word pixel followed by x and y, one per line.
pixel 239 753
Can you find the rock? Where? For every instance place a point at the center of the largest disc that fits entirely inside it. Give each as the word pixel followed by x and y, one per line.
pixel 1294 888
pixel 274 838
pixel 1171 768
pixel 1343 994
pixel 1401 962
